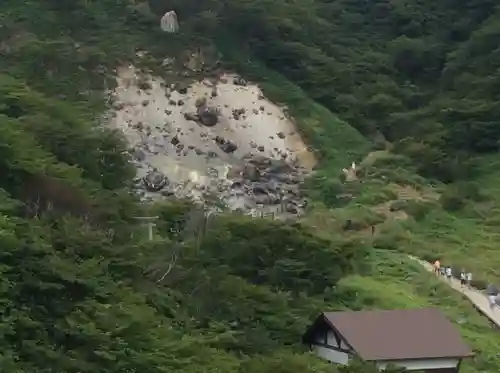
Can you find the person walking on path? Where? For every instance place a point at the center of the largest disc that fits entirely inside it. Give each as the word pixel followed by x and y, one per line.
pixel 492 294
pixel 437 267
pixel 442 271
pixel 449 273
pixel 463 280
pixel 492 300
pixel 468 278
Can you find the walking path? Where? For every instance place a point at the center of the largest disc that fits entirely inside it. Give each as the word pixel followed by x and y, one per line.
pixel 478 298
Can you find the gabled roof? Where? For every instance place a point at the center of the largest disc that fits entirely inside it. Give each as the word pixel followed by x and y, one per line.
pixel 396 334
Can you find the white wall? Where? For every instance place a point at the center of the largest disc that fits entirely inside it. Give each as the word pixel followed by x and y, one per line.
pixel 331 355
pixel 422 364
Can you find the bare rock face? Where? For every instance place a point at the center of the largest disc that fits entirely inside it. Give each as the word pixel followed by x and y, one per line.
pixel 155 181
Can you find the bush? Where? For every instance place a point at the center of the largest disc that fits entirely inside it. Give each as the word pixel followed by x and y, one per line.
pixel 376 198
pixel 452 200
pixel 479 284
pixel 398 205
pixel 456 195
pixel 417 209
pixel 469 190
pixel 431 258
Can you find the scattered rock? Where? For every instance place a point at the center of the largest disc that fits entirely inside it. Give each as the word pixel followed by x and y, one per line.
pixel 225 145
pixel 118 106
pixel 175 141
pixel 182 89
pixel 167 193
pixel 240 81
pixel 281 135
pixel 144 85
pixel 237 113
pixel 168 62
pixel 200 102
pixel 191 116
pixel 138 154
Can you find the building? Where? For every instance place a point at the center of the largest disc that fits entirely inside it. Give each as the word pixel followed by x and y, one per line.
pixel 421 340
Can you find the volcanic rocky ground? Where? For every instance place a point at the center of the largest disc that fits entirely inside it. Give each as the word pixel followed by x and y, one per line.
pixel 219 141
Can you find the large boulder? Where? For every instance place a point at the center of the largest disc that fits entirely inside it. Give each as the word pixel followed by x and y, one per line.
pixel 155 181
pixel 208 116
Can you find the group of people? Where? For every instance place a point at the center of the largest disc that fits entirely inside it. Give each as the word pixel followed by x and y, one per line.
pixel 447 272
pixel 465 281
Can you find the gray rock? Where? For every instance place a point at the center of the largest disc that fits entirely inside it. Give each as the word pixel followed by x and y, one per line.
pixel 201 102
pixel 175 140
pixel 225 145
pixel 138 154
pixel 240 81
pixel 237 113
pixel 208 116
pixel 155 181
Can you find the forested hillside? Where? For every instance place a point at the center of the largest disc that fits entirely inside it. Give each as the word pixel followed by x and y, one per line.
pixel 82 290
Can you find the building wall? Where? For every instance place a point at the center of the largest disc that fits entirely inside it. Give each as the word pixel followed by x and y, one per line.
pixel 331 355
pixel 435 365
pixel 443 370
pixel 333 342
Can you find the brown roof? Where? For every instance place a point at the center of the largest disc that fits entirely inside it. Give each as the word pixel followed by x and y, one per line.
pixel 398 334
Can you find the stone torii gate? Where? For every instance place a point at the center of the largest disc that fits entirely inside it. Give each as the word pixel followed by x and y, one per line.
pixel 148 221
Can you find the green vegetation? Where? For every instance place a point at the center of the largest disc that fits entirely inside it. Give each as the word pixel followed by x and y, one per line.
pixel 414 82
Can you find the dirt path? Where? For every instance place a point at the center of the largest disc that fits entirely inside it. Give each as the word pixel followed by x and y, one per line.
pixel 477 298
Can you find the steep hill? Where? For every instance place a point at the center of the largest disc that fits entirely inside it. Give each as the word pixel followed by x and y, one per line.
pixel 404 89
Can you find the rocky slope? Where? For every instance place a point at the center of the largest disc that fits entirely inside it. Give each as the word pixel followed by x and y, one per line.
pixel 217 140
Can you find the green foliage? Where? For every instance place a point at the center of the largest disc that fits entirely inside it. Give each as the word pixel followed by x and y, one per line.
pixel 82 292
pixel 417 209
pixel 455 196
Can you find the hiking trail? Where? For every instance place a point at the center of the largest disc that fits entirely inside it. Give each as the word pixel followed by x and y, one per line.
pixel 476 297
